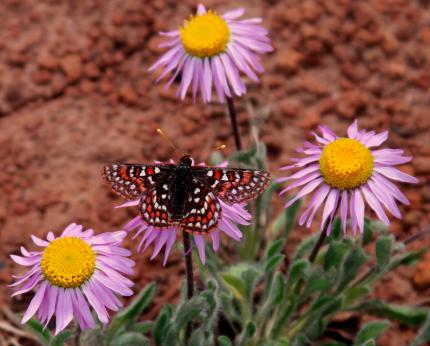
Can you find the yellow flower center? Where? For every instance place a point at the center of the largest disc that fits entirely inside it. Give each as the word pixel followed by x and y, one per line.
pixel 346 163
pixel 68 262
pixel 205 35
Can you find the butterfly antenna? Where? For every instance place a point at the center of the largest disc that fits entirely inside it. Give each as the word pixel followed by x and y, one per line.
pixel 167 139
pixel 220 147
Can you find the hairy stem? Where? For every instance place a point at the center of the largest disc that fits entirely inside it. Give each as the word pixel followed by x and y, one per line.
pixel 234 125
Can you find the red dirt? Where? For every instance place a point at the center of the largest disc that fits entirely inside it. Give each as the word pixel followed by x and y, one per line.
pixel 75 94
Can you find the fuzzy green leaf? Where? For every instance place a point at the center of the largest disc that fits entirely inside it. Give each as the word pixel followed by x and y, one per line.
pixel 324 304
pixel 371 330
pixel 224 341
pixel 354 293
pixel 335 254
pixel 411 316
pixel 367 232
pixel 319 281
pixel 142 327
pixel 136 307
pixel 250 277
pixel 298 270
pixel 423 335
pixel 162 324
pixel 247 333
pixel 275 247
pixel 407 258
pixel 235 285
pixel 354 260
pixel 277 290
pixel 188 311
pixel 306 246
pixel 336 230
pixel 61 338
pixel 130 339
pixel 383 250
pixel 35 328
pixel 273 262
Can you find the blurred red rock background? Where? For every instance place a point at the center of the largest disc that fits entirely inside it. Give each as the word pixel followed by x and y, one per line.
pixel 75 94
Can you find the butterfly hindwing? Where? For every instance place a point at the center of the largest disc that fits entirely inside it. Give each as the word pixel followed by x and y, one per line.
pixel 233 185
pixel 154 205
pixel 131 181
pixel 202 209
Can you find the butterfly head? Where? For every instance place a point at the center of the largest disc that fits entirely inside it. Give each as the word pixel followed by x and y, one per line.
pixel 186 160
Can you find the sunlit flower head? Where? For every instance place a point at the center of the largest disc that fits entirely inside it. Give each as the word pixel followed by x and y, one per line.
pixel 346 172
pixel 72 273
pixel 211 50
pixel 164 237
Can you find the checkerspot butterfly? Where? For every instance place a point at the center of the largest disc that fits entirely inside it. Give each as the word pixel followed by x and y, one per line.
pixel 184 194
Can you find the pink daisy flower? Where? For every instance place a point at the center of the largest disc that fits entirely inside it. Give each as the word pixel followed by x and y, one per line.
pixel 210 50
pixel 74 272
pixel 346 173
pixel 231 216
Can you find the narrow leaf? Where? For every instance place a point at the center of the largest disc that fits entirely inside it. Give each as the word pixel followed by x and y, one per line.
pixel 423 334
pixel 411 316
pixel 130 339
pixel 136 307
pixel 35 328
pixel 61 338
pixel 235 284
pixel 383 249
pixel 371 330
pixel 224 341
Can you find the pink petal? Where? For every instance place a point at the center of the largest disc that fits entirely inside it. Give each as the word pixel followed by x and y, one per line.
pixel 330 205
pixel 344 210
pixel 102 314
pixel 215 240
pixel 375 205
pixel 305 190
pixel 353 130
pixel 233 14
pixel 359 209
pixel 200 244
pixel 396 174
pixel 35 302
pixel 201 9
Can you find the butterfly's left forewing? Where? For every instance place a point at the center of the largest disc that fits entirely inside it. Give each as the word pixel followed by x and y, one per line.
pixel 132 181
pixel 233 185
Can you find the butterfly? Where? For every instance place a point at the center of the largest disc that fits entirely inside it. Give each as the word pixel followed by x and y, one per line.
pixel 183 194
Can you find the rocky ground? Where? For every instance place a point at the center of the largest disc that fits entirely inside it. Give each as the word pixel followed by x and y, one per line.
pixel 75 94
